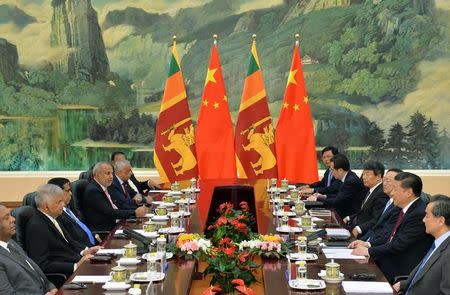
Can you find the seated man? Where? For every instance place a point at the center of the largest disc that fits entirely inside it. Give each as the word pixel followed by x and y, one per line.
pixel 408 242
pixel 328 185
pixel 349 197
pixel 434 269
pixel 18 273
pixel 74 226
pixel 47 242
pixel 373 203
pixel 100 211
pixel 121 192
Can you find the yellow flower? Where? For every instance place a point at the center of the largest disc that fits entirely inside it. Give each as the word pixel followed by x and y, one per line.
pixel 186 237
pixel 270 238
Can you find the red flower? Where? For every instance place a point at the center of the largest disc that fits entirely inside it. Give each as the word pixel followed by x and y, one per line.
pixel 225 240
pixel 227 246
pixel 243 256
pixel 211 290
pixel 221 221
pixel 244 206
pixel 225 208
pixel 239 282
pixel 244 290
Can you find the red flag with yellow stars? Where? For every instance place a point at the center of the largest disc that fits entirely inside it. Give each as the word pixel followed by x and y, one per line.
pixel 174 154
pixel 255 147
pixel 295 144
pixel 214 134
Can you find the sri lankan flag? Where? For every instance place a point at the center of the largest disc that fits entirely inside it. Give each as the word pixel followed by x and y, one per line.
pixel 254 137
pixel 174 154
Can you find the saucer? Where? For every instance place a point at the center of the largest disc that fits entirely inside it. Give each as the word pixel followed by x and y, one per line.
pixel 191 201
pixel 302 256
pixel 175 193
pixel 275 189
pixel 144 277
pixel 160 218
pixel 322 274
pixel 116 286
pixel 195 190
pixel 185 213
pixel 307 284
pixel 171 230
pixel 129 261
pixel 288 229
pixel 168 256
pixel 148 234
pixel 285 201
pixel 283 213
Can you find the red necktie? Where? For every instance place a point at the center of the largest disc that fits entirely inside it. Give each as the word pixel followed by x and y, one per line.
pixel 397 224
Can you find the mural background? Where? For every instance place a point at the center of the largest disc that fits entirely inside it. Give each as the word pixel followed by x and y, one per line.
pixel 82 78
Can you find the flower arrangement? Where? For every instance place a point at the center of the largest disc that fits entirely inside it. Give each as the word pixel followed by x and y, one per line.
pixel 266 245
pixel 191 246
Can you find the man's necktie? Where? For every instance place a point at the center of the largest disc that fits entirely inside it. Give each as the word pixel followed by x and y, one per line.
pixel 125 189
pixel 108 197
pixel 366 199
pixel 386 207
pixel 397 224
pixel 330 176
pixel 24 260
pixel 58 227
pixel 82 225
pixel 421 265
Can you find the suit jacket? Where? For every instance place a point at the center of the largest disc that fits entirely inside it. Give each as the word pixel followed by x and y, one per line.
pixel 118 196
pixel 74 230
pixel 142 186
pixel 46 246
pixel 380 232
pixel 408 246
pixel 349 197
pixel 434 274
pixel 98 212
pixel 16 276
pixel 322 188
pixel 368 215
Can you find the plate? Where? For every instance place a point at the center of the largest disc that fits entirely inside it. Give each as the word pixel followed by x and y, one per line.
pixel 307 284
pixel 322 274
pixel 191 201
pixel 275 189
pixel 196 190
pixel 171 230
pixel 160 218
pixel 282 213
pixel 289 229
pixel 285 201
pixel 144 277
pixel 303 256
pixel 149 215
pixel 129 261
pixel 185 213
pixel 116 286
pixel 148 234
pixel 168 256
pixel 157 203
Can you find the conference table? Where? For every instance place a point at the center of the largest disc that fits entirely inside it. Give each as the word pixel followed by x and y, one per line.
pixel 183 277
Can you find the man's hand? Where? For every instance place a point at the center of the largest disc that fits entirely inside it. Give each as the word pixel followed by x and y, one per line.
pixel 140 211
pixel 138 199
pixel 149 199
pixel 358 243
pixel 303 187
pixel 153 184
pixel 91 250
pixel 306 191
pixel 52 292
pixel 346 219
pixel 355 232
pixel 312 198
pixel 360 251
pixel 396 287
pixel 83 259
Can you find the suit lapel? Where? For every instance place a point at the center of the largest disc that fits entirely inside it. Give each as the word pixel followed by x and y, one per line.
pixel 53 227
pixel 14 259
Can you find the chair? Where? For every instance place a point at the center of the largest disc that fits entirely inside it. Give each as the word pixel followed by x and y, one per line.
pixel 78 188
pixel 23 215
pixel 29 199
pixel 233 194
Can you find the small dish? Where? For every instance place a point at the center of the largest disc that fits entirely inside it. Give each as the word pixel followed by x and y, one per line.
pixel 169 255
pixel 144 277
pixel 322 274
pixel 191 201
pixel 307 284
pixel 116 286
pixel 289 229
pixel 171 230
pixel 285 201
pixel 160 218
pixel 283 213
pixel 303 256
pixel 129 261
pixel 195 190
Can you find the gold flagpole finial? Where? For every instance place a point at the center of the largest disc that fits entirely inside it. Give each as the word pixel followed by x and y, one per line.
pixel 254 37
pixel 215 38
pixel 297 38
pixel 174 38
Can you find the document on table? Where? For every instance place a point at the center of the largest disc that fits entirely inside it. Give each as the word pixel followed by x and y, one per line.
pixel 340 253
pixel 110 251
pixel 363 287
pixel 337 232
pixel 159 191
pixel 91 279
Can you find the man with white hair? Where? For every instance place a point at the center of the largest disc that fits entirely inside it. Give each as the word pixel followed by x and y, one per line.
pixel 100 210
pixel 47 242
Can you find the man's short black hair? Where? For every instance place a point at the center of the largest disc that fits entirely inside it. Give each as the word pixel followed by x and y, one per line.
pixel 341 161
pixel 410 180
pixel 113 155
pixel 59 181
pixel 441 207
pixel 376 167
pixel 333 150
pixel 396 170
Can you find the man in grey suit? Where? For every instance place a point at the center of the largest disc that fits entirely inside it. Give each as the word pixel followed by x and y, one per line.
pixel 18 273
pixel 431 275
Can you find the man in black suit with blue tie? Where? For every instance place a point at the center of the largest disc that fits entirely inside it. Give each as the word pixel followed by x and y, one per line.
pixel 328 185
pixel 350 195
pixel 434 269
pixel 407 242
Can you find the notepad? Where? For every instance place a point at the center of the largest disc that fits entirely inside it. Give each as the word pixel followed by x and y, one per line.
pixel 364 287
pixel 91 279
pixel 340 253
pixel 110 251
pixel 341 232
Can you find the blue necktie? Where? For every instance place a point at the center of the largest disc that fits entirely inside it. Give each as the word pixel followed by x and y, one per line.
pixel 387 206
pixel 330 176
pixel 419 269
pixel 82 225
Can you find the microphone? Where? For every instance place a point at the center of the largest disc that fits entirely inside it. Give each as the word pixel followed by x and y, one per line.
pixel 139 237
pixel 316 235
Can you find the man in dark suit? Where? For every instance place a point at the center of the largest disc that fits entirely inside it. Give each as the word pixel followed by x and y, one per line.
pixel 18 273
pixel 349 198
pixel 328 185
pixel 121 193
pixel 434 269
pixel 373 203
pixel 100 210
pixel 408 242
pixel 74 226
pixel 47 242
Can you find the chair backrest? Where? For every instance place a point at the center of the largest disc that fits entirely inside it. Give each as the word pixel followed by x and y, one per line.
pixel 29 199
pixel 78 188
pixel 233 194
pixel 22 216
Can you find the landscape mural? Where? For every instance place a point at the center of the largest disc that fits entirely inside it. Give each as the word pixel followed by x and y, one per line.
pixel 82 78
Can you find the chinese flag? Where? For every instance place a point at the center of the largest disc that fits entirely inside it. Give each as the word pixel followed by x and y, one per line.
pixel 174 154
pixel 295 144
pixel 254 137
pixel 214 134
